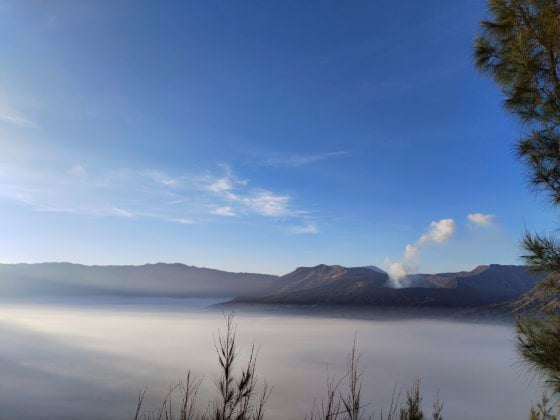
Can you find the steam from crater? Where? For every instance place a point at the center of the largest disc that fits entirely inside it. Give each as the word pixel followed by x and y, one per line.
pixel 438 232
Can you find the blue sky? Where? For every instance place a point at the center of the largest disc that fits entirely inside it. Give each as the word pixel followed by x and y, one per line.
pixel 255 136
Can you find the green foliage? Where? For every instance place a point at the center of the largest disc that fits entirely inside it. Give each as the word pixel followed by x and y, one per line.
pixel 520 48
pixel 538 341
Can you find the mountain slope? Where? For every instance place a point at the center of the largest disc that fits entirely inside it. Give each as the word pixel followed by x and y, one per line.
pixel 375 268
pixel 177 280
pixel 324 283
pixel 485 285
pixel 320 285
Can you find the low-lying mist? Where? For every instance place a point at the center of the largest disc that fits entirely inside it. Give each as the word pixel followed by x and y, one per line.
pixel 60 361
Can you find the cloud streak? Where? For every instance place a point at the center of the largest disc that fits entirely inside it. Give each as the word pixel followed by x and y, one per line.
pixel 225 211
pixel 301 160
pixel 10 116
pixel 309 228
pixel 240 198
pixel 148 194
pixel 481 219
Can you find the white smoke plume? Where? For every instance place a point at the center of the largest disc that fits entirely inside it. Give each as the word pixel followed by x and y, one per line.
pixel 411 252
pixel 397 271
pixel 439 232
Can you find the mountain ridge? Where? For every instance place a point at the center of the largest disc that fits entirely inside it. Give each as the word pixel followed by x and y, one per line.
pixel 157 280
pixel 485 285
pixel 317 285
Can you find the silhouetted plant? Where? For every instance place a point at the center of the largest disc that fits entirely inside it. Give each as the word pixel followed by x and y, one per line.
pixel 330 406
pixel 188 405
pixel 350 406
pixel 347 406
pixel 437 408
pixel 543 410
pixel 413 409
pixel 352 400
pixel 237 397
pixel 237 394
pixel 393 407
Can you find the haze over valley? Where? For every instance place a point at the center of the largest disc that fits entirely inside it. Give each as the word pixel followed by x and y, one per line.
pixel 71 332
pixel 70 358
pixel 279 210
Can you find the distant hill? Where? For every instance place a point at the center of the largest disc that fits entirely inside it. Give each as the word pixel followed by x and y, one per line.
pixel 335 285
pixel 319 285
pixel 176 280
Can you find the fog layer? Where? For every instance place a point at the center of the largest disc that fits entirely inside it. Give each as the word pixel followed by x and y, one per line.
pixel 91 361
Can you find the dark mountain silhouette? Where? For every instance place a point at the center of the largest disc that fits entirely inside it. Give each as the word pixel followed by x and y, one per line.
pixel 174 280
pixel 320 285
pixel 332 285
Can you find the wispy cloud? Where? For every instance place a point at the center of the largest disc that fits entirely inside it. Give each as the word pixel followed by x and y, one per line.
pixel 77 170
pixel 121 212
pixel 148 194
pixel 181 221
pixel 301 160
pixel 304 229
pixel 267 203
pixel 8 115
pixel 225 211
pixel 241 198
pixel 481 219
pixel 163 179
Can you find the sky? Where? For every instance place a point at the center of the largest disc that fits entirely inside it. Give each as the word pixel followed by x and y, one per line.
pixel 256 136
